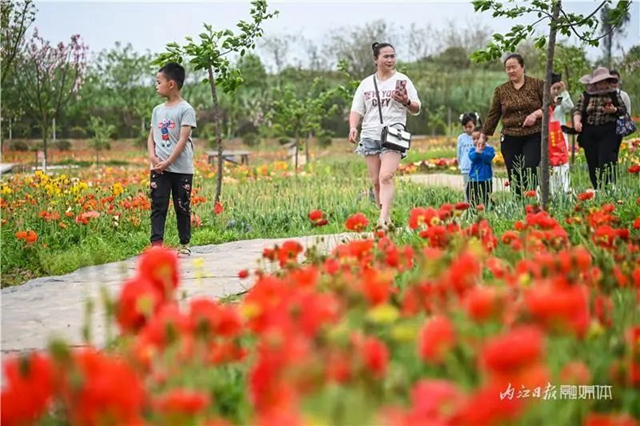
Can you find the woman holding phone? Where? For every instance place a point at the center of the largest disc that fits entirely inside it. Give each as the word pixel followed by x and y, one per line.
pixel 594 118
pixel 396 95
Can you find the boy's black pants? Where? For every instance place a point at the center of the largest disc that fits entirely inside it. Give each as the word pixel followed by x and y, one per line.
pixel 479 192
pixel 601 147
pixel 179 186
pixel 522 157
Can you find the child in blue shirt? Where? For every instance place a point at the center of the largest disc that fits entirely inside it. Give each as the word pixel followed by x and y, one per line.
pixel 480 185
pixel 469 121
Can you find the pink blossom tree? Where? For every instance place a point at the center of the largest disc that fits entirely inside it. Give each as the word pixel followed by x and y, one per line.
pixel 48 77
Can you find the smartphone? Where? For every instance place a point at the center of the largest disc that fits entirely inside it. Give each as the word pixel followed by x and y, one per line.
pixel 401 86
pixel 559 99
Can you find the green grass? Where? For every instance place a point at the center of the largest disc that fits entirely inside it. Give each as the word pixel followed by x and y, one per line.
pixel 415 156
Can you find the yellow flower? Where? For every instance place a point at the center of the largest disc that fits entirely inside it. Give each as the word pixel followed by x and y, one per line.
pixel 5 190
pixel 404 332
pixel 249 310
pixel 117 189
pixel 383 314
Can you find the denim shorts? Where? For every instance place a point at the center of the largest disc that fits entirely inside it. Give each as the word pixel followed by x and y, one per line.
pixel 368 146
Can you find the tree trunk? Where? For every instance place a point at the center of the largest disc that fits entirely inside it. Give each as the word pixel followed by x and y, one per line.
pixel 567 74
pixel 544 178
pixel 295 158
pixel 306 148
pixel 45 130
pixel 218 121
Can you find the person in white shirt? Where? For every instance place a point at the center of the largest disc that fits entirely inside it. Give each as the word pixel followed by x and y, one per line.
pixel 624 95
pixel 382 163
pixel 562 105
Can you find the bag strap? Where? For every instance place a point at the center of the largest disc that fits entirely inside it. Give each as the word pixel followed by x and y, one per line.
pixel 614 99
pixel 378 97
pixel 585 103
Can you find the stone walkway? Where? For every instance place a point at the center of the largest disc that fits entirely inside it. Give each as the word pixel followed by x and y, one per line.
pixel 49 307
pixel 449 180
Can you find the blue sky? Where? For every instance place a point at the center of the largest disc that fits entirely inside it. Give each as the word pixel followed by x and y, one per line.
pixel 149 25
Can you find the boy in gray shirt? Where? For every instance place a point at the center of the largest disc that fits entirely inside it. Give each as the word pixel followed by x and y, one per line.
pixel 171 155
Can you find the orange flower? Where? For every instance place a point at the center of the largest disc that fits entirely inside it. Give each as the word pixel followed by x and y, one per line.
pixel 196 222
pixel 357 222
pixel 160 266
pixel 375 355
pixel 212 319
pixel 559 308
pixel 289 252
pixel 575 372
pixel 598 419
pixel 218 208
pixel 315 215
pixel 28 389
pixel 486 407
pixel 317 218
pixel 437 337
pixel 29 236
pixel 182 401
pixel 102 398
pixel 584 196
pixel 513 351
pixel 530 193
pixel 422 216
pixel 482 303
pixel 139 299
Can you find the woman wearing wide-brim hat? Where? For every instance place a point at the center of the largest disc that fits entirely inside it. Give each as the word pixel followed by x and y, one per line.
pixel 594 118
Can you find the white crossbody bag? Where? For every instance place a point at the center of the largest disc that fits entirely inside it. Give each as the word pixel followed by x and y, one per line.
pixel 392 137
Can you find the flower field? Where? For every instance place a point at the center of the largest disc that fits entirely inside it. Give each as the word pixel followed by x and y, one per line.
pixel 457 325
pixel 506 316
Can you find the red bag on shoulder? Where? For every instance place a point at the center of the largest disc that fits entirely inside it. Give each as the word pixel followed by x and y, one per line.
pixel 558 153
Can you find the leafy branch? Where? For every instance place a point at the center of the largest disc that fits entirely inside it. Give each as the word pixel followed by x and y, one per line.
pixel 210 54
pixel 566 24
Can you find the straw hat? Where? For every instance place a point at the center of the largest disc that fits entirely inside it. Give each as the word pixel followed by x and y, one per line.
pixel 599 74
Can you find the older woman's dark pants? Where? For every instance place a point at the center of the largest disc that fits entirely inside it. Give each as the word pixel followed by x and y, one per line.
pixel 601 146
pixel 522 157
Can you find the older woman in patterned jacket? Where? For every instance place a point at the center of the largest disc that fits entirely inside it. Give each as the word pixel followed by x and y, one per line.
pixel 594 117
pixel 518 103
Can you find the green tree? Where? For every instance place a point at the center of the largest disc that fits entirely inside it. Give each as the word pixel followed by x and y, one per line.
pixel 585 27
pixel 128 74
pixel 15 18
pixel 211 54
pixel 102 133
pixel 253 73
pixel 49 77
pixel 297 115
pixel 353 45
pixel 613 23
pixel 572 62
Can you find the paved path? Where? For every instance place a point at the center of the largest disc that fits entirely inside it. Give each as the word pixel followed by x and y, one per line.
pixel 48 307
pixel 449 180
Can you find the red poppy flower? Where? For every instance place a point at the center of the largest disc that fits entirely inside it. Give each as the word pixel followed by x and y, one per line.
pixel 357 222
pixel 584 196
pixel 437 338
pixel 27 390
pixel 182 401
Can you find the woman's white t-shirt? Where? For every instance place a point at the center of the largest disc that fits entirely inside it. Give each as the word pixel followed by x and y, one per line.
pixel 365 103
